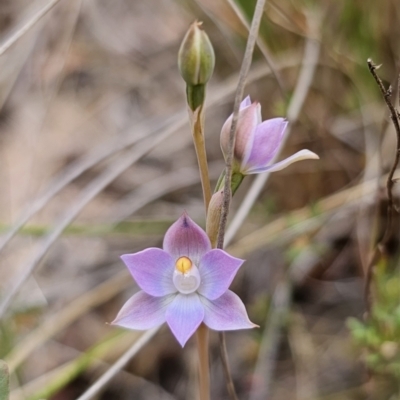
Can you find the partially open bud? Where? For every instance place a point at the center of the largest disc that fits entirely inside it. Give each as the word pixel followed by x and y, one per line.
pixel 257 143
pixel 196 56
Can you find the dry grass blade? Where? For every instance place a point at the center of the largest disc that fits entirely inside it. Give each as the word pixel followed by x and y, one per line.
pixel 158 187
pixel 60 320
pixel 14 37
pixel 46 385
pixel 304 356
pixel 121 362
pixel 262 46
pixel 270 341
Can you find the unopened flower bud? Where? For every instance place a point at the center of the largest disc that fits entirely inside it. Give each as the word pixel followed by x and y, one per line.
pixel 196 56
pixel 196 61
pixel 213 216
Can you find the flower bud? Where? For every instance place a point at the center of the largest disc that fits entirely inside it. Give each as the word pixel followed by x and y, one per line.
pixel 196 56
pixel 213 216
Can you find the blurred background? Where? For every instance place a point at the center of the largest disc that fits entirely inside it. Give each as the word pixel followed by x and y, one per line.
pixel 96 160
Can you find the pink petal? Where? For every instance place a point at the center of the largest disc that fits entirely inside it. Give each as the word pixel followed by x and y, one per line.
pixel 142 311
pixel 300 155
pixel 249 118
pixel 217 270
pixel 152 269
pixel 246 102
pixel 226 313
pixel 184 315
pixel 267 140
pixel 186 238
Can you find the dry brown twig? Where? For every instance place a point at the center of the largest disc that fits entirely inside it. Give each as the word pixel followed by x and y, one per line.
pixel 380 248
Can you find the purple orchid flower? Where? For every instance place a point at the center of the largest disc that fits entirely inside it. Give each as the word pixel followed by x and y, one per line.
pixel 184 285
pixel 258 142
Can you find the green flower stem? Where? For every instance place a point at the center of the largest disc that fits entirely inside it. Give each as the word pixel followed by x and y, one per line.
pixel 197 125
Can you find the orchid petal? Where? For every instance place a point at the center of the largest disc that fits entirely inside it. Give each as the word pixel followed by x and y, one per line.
pixel 186 239
pixel 226 128
pixel 249 118
pixel 226 313
pixel 217 270
pixel 184 315
pixel 266 142
pixel 245 102
pixel 143 311
pixel 300 155
pixel 152 269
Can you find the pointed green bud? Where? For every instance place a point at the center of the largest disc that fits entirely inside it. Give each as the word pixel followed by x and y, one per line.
pixel 196 58
pixel 196 61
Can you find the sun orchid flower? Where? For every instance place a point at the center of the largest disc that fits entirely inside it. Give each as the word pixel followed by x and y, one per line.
pixel 184 284
pixel 257 141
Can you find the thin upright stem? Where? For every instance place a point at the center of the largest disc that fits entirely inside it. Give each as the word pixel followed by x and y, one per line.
pixel 263 48
pixel 204 375
pixel 197 124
